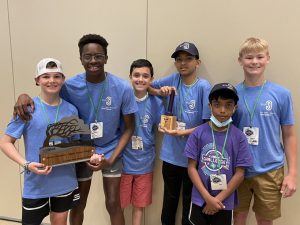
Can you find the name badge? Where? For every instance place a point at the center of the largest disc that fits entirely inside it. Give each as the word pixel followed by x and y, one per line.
pixel 137 143
pixel 218 182
pixel 180 125
pixel 252 134
pixel 96 130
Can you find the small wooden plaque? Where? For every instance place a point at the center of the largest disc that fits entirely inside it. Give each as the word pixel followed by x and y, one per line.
pixel 55 156
pixel 168 122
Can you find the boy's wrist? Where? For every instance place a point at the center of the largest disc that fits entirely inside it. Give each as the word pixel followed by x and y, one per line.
pixel 26 166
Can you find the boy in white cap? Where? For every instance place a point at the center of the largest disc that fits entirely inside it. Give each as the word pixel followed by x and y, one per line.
pixel 41 194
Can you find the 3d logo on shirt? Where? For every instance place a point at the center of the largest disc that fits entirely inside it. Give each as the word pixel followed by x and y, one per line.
pixel 108 101
pixel 213 161
pixel 192 104
pixel 146 119
pixel 269 105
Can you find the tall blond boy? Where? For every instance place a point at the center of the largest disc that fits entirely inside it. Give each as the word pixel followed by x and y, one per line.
pixel 264 113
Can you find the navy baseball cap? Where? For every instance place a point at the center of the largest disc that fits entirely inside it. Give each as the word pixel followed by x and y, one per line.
pixel 224 87
pixel 186 47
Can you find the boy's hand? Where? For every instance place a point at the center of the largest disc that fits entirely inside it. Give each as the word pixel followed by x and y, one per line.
pixel 39 168
pixel 166 90
pixel 103 164
pixel 288 187
pixel 96 159
pixel 213 205
pixel 21 105
pixel 171 132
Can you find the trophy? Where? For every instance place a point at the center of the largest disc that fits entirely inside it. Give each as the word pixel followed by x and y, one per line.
pixel 168 121
pixel 55 154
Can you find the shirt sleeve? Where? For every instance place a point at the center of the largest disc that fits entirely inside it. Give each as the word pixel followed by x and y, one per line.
pixel 286 110
pixel 15 128
pixel 244 157
pixel 191 147
pixel 128 101
pixel 206 110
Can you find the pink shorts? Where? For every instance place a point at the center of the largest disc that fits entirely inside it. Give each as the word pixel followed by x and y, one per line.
pixel 136 189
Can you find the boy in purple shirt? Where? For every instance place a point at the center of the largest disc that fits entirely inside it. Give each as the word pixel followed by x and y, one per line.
pixel 218 153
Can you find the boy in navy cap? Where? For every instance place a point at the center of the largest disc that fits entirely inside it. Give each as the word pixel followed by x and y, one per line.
pixel 217 153
pixel 191 109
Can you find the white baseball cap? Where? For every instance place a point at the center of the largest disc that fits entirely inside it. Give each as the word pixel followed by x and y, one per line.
pixel 41 67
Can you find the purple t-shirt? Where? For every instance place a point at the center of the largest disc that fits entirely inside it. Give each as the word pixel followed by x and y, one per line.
pixel 236 154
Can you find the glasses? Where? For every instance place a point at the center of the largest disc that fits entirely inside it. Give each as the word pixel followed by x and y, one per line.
pixel 97 57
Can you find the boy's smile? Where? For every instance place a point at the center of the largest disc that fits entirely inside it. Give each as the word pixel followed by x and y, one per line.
pixel 141 79
pixel 50 82
pixel 93 59
pixel 254 63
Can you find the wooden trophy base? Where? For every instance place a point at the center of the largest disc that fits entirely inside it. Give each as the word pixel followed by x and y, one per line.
pixel 168 122
pixel 56 156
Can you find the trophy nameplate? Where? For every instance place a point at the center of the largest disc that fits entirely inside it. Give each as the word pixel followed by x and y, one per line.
pixel 66 153
pixel 168 121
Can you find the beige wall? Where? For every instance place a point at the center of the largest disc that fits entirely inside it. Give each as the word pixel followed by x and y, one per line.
pixel 34 29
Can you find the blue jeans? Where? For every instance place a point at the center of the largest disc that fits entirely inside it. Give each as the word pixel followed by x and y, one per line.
pixel 175 177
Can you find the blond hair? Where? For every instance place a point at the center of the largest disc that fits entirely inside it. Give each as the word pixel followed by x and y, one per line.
pixel 253 44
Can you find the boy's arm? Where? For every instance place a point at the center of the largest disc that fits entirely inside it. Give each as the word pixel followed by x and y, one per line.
pixel 21 109
pixel 125 137
pixel 290 147
pixel 185 132
pixel 212 204
pixel 8 148
pixel 233 184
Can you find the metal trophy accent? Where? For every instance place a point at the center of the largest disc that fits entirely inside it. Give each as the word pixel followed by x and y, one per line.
pixel 55 154
pixel 168 121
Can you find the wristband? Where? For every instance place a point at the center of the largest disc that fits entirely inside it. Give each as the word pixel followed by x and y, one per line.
pixel 25 166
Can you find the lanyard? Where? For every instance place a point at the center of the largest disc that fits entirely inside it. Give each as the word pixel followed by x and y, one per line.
pixel 215 146
pixel 45 112
pixel 96 110
pixel 139 117
pixel 180 85
pixel 251 114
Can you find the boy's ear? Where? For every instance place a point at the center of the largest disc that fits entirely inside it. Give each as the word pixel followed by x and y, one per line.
pixel 235 108
pixel 36 81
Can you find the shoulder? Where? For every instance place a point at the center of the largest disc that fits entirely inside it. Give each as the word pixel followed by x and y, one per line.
pixel 75 80
pixel 70 106
pixel 236 133
pixel 276 88
pixel 201 129
pixel 202 83
pixel 115 80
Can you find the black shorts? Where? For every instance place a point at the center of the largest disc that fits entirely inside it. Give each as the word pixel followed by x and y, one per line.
pixel 35 210
pixel 197 217
pixel 83 172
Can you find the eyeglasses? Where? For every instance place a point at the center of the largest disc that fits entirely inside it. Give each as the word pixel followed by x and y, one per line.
pixel 97 57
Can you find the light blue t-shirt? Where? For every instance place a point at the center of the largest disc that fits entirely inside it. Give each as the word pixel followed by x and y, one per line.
pixel 142 161
pixel 190 106
pixel 116 99
pixel 274 109
pixel 62 179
